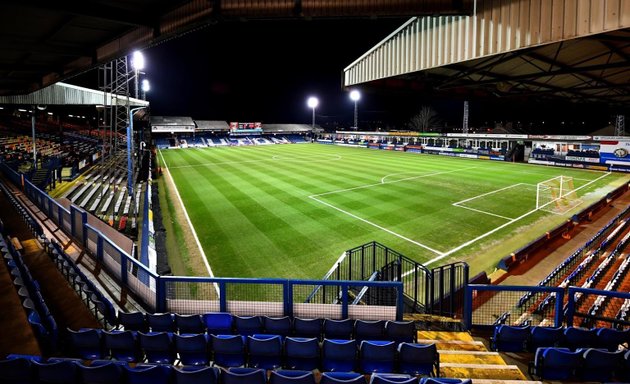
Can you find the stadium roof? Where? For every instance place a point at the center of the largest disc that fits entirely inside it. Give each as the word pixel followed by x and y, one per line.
pixel 212 125
pixel 577 51
pixel 68 94
pixel 43 42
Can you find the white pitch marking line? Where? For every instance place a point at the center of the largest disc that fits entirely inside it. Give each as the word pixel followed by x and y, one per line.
pixel 390 182
pixel 443 255
pixel 487 193
pixel 314 197
pixel 203 254
pixel 484 212
pixel 273 158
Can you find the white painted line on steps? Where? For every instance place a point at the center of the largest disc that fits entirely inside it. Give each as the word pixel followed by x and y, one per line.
pixel 454 352
pixel 479 366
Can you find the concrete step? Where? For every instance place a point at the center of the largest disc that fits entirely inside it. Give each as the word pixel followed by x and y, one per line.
pixel 461 345
pixel 481 371
pixel 445 335
pixel 470 357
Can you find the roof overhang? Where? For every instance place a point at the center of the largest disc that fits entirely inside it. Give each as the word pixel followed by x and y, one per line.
pixel 67 94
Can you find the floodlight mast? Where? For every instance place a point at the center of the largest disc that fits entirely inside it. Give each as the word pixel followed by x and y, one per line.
pixel 355 96
pixel 312 103
pixel 146 87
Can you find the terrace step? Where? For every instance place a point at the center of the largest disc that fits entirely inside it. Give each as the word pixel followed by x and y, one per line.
pixel 470 357
pixel 481 371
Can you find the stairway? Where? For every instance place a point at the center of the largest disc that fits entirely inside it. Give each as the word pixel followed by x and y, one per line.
pixel 461 356
pixel 40 177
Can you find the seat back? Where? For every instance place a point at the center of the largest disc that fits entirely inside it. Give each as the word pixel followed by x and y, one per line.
pixel 544 337
pixel 418 359
pixel 509 338
pixel 86 343
pixel 192 349
pixel 228 350
pixel 600 365
pixel 105 373
pixel 122 345
pixel 291 377
pixel 195 375
pixel 556 363
pixel 147 374
pixel 369 330
pixel 338 329
pixel 307 327
pixel 265 352
pixel 282 326
pixel 218 323
pixel 189 324
pixel 243 376
pixel 377 356
pixel 339 355
pixel 248 325
pixel 610 338
pixel 301 353
pixel 17 371
pixel 388 378
pixel 161 322
pixel 58 372
pixel 401 331
pixel 133 321
pixel 342 378
pixel 157 347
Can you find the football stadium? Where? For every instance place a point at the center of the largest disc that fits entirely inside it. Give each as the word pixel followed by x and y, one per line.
pixel 144 248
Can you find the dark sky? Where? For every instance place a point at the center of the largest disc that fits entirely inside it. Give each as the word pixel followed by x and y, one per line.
pixel 261 71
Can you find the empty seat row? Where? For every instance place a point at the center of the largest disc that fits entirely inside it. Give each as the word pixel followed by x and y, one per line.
pixel 509 338
pixel 226 323
pixel 257 351
pixel 30 370
pixel 589 364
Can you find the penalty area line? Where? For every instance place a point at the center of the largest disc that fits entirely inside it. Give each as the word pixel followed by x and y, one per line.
pixel 192 228
pixel 376 225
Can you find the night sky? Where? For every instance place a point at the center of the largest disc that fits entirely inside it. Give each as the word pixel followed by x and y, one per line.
pixel 261 71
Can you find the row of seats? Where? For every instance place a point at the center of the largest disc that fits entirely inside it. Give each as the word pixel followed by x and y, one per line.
pixel 226 323
pixel 509 338
pixel 30 221
pixel 256 351
pixel 590 364
pixel 37 312
pixel 31 370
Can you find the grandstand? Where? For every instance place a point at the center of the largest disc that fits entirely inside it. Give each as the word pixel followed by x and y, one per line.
pixel 86 306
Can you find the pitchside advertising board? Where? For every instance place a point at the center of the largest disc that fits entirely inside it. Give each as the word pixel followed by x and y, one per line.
pixel 614 152
pixel 244 129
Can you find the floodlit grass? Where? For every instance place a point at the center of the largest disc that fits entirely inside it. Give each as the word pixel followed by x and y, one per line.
pixel 291 210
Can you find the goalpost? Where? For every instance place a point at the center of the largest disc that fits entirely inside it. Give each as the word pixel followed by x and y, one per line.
pixel 556 195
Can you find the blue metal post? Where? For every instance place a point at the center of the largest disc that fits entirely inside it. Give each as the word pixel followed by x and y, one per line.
pixel 468 307
pixel 344 301
pixel 160 295
pixel 287 288
pixel 570 308
pixel 222 297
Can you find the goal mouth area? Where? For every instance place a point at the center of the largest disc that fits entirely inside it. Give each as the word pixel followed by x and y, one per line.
pixel 557 195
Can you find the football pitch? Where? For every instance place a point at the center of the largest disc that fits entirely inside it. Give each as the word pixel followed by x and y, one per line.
pixel 289 211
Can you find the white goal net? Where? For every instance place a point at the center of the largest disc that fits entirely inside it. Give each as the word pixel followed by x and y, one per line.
pixel 556 195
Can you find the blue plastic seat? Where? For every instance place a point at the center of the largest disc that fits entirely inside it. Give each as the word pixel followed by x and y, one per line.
pixel 575 338
pixel 338 329
pixel 301 353
pixel 248 325
pixel 17 371
pixel 195 375
pixel 147 374
pixel 189 324
pixel 157 347
pixel 401 331
pixel 555 363
pixel 599 365
pixel 277 325
pixel 133 321
pixel 161 322
pixel 610 338
pixel 243 376
pixel 388 378
pixel 418 359
pixel 339 355
pixel 218 323
pixel 369 330
pixel 101 372
pixel 544 337
pixel 56 372
pixel 264 352
pixel 291 377
pixel 192 349
pixel 228 350
pixel 86 343
pixel 342 378
pixel 509 338
pixel 377 356
pixel 122 345
pixel 307 327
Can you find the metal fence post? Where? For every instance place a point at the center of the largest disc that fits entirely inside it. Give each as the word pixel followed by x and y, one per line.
pixel 344 300
pixel 222 298
pixel 160 295
pixel 570 308
pixel 468 307
pixel 287 288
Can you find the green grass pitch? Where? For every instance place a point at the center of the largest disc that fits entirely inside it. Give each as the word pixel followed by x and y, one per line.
pixel 291 210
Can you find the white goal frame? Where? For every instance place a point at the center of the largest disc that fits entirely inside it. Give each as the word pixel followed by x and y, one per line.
pixel 556 195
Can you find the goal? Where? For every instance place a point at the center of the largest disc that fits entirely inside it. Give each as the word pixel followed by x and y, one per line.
pixel 556 195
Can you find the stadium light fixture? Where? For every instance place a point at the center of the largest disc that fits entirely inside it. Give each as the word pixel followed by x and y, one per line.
pixel 146 87
pixel 355 96
pixel 137 63
pixel 312 103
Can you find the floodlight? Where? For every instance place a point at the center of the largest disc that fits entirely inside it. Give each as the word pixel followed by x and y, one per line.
pixel 137 61
pixel 145 85
pixel 313 102
pixel 355 95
